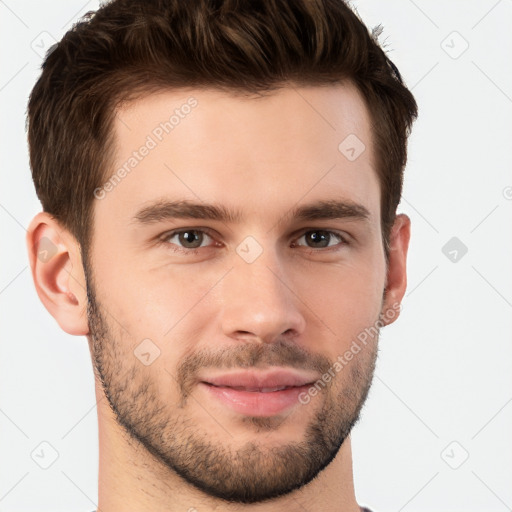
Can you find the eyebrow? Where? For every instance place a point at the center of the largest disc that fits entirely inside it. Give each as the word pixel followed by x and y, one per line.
pixel 163 210
pixel 332 209
pixel 319 210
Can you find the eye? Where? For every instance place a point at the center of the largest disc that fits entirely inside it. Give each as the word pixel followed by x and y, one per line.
pixel 188 238
pixel 319 239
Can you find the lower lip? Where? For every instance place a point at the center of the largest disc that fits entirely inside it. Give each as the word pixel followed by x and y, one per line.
pixel 256 403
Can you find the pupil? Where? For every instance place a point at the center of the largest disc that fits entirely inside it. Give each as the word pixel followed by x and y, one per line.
pixel 191 239
pixel 319 238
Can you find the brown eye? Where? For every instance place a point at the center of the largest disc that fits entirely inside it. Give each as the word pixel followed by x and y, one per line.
pixel 188 239
pixel 319 239
pixel 191 239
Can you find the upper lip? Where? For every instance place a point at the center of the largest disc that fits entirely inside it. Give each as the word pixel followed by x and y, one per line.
pixel 252 379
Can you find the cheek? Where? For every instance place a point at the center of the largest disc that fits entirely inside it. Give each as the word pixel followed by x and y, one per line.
pixel 156 319
pixel 160 303
pixel 341 301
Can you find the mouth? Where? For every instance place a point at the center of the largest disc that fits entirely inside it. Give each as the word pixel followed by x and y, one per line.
pixel 271 380
pixel 258 393
pixel 254 389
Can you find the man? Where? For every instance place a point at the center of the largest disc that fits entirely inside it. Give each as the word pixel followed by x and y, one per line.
pixel 219 183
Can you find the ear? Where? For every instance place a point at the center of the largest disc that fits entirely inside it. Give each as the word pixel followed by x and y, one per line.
pixel 396 277
pixel 56 265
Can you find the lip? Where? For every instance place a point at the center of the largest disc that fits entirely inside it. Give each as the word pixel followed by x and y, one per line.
pixel 281 377
pixel 257 393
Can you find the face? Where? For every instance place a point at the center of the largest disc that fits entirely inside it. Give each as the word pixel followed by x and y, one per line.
pixel 235 265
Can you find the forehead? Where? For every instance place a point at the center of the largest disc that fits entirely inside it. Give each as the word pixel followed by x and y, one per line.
pixel 209 145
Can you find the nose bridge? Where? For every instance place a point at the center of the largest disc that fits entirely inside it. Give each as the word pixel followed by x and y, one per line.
pixel 258 301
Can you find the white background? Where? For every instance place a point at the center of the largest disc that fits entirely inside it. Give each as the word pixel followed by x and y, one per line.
pixel 443 387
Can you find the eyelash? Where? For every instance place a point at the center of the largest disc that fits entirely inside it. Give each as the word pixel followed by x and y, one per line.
pixel 164 240
pixel 176 248
pixel 342 241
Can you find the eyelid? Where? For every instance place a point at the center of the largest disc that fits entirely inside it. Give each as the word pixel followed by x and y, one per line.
pixel 169 234
pixel 344 237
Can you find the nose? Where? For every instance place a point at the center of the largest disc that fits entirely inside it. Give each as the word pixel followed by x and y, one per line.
pixel 259 303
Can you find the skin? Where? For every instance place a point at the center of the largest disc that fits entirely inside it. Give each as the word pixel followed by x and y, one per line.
pixel 262 158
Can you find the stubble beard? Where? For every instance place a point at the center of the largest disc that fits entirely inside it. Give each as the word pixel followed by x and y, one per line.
pixel 250 473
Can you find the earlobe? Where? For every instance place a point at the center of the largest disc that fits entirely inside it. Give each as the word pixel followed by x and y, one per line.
pixel 396 278
pixel 57 271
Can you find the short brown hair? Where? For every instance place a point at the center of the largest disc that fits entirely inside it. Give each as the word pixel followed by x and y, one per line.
pixel 128 48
